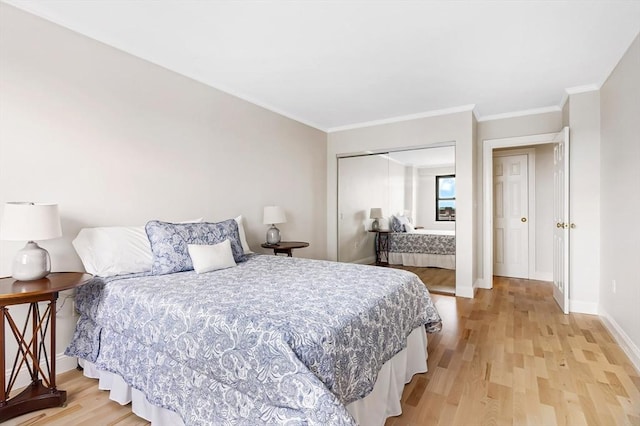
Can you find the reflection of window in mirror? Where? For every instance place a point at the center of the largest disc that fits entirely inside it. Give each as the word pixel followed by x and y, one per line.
pixel 446 198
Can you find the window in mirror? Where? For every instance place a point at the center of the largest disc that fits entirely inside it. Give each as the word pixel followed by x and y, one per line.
pixel 446 198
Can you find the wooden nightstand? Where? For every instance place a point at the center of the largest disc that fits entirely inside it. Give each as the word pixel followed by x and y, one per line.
pixel 382 247
pixel 285 247
pixel 32 349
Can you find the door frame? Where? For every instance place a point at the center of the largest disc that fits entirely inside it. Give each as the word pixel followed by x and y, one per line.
pixel 488 145
pixel 531 202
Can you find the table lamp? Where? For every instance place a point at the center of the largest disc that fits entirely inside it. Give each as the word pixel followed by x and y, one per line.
pixel 27 221
pixel 375 214
pixel 273 215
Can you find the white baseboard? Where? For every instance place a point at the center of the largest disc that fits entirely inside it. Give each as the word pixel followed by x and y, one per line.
pixel 63 363
pixel 467 292
pixel 581 307
pixel 622 339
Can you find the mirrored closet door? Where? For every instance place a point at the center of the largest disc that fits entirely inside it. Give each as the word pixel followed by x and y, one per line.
pixel 414 193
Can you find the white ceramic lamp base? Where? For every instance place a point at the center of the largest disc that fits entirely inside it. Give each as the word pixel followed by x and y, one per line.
pixel 31 263
pixel 273 235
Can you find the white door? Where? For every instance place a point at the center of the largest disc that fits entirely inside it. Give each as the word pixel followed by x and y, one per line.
pixel 561 218
pixel 511 212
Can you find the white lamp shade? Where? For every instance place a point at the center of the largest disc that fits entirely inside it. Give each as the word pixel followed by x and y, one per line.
pixel 376 213
pixel 274 214
pixel 25 221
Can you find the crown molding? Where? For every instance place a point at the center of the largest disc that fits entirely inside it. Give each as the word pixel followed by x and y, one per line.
pixel 577 89
pixel 435 113
pixel 582 89
pixel 259 103
pixel 522 113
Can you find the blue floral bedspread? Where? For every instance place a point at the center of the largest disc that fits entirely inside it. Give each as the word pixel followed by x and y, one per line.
pixel 404 242
pixel 274 340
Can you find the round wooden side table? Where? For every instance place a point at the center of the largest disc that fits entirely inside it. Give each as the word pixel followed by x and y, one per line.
pixel 285 247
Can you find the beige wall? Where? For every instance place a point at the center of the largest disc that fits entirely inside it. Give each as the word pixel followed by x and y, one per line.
pixel 620 200
pixel 565 112
pixel 415 134
pixel 544 212
pixel 584 201
pixel 116 140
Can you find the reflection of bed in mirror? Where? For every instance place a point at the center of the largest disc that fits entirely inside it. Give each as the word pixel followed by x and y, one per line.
pixel 423 248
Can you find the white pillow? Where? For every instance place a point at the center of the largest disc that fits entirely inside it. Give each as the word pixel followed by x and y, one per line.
pixel 408 227
pixel 243 236
pixel 115 250
pixel 207 258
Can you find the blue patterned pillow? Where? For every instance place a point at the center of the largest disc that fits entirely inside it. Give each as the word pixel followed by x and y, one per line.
pixel 404 221
pixel 395 225
pixel 169 242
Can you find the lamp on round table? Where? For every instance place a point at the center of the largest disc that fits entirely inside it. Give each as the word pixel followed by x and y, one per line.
pixel 28 221
pixel 375 214
pixel 273 215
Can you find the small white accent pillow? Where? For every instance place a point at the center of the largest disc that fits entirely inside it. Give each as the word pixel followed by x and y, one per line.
pixel 243 236
pixel 207 258
pixel 115 250
pixel 408 227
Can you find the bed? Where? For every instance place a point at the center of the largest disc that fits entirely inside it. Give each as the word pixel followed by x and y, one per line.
pixel 424 248
pixel 272 340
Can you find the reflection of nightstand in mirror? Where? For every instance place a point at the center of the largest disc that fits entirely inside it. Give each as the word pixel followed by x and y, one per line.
pixel 382 247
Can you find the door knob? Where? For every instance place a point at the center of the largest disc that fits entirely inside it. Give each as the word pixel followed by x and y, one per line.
pixel 561 225
pixel 524 219
pixel 573 226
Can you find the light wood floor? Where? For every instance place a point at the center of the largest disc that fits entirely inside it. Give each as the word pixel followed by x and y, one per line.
pixel 507 357
pixel 510 357
pixel 437 280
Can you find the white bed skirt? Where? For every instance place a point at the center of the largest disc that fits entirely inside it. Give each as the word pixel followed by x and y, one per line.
pixel 423 260
pixel 372 410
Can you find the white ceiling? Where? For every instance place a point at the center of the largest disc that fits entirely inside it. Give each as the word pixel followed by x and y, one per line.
pixel 427 157
pixel 339 64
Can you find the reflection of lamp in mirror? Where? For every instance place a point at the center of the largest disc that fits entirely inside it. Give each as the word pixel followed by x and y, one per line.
pixel 376 213
pixel 26 221
pixel 273 215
